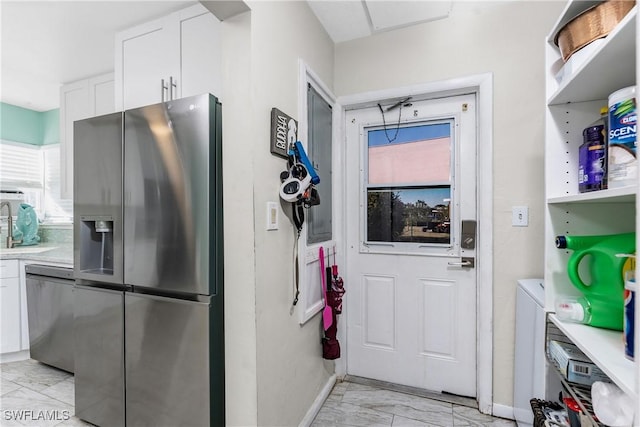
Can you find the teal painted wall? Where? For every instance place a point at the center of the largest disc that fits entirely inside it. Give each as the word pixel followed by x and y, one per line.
pixel 27 126
pixel 20 125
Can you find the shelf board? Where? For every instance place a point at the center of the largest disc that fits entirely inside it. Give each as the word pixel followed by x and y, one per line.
pixel 612 195
pixel 616 58
pixel 605 348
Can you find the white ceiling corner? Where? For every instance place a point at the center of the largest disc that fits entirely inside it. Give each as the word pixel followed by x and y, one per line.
pixel 343 20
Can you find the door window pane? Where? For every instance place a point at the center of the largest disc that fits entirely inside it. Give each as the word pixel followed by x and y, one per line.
pixel 413 215
pixel 418 155
pixel 409 188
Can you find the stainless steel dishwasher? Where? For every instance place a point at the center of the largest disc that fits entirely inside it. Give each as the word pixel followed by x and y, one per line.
pixel 50 311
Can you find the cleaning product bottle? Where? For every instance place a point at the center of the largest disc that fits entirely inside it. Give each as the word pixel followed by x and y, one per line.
pixel 592 159
pixel 592 155
pixel 622 166
pixel 602 304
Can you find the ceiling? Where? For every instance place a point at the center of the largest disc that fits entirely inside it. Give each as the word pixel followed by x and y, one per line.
pixel 49 43
pixel 348 19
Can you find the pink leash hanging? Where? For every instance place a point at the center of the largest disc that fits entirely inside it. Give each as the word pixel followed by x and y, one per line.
pixel 327 314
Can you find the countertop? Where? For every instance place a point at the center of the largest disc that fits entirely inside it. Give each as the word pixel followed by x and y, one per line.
pixel 44 252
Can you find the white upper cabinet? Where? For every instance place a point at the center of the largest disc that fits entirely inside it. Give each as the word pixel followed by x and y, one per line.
pixel 146 57
pixel 102 94
pixel 200 47
pixel 169 58
pixel 79 100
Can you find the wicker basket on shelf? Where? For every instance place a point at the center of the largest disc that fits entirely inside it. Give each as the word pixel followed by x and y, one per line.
pixel 592 24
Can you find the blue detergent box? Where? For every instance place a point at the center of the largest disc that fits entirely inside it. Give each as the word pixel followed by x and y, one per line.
pixel 574 365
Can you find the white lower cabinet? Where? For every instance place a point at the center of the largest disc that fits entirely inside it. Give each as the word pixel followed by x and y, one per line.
pixel 10 307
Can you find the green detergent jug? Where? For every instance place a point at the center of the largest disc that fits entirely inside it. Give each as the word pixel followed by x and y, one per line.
pixel 603 302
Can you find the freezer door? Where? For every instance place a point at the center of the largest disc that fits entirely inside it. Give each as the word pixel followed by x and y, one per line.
pixel 99 355
pixel 168 362
pixel 170 196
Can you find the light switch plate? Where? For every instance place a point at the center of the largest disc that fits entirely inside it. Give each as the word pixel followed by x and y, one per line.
pixel 520 216
pixel 272 216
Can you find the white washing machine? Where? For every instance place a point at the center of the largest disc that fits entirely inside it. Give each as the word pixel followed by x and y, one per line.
pixel 529 365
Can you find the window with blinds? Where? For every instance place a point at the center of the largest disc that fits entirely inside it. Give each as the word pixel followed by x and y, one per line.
pixel 21 166
pixel 35 171
pixel 55 208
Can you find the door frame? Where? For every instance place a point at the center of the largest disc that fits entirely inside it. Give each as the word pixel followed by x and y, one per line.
pixel 482 86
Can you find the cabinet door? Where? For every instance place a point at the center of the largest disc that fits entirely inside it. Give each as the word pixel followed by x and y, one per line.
pixel 74 105
pixel 102 95
pixel 145 56
pixel 10 315
pixel 200 53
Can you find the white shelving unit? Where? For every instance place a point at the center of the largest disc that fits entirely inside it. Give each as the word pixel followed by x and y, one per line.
pixel 608 354
pixel 572 105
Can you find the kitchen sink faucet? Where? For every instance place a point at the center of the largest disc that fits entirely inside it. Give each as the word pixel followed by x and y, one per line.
pixel 10 241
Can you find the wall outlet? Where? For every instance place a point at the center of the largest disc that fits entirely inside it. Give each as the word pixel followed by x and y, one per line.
pixel 272 216
pixel 520 216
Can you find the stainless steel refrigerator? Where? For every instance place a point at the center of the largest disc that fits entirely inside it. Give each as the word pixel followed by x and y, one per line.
pixel 148 259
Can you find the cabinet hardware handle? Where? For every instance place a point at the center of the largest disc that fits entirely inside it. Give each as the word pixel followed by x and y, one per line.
pixel 172 85
pixel 163 88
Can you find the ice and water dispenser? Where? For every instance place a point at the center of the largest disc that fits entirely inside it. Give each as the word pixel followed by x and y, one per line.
pixel 96 243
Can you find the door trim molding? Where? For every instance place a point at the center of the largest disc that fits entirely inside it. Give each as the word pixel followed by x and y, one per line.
pixel 482 86
pixel 308 253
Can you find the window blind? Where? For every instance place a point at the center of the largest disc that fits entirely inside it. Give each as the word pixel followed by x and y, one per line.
pixel 56 209
pixel 21 166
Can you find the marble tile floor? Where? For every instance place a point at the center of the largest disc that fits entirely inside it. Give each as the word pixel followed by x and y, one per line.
pixel 34 394
pixel 354 404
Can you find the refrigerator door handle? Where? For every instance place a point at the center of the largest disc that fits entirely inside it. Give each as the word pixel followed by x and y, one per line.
pixel 203 300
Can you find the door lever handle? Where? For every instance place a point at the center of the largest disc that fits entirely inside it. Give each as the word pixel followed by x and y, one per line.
pixel 467 262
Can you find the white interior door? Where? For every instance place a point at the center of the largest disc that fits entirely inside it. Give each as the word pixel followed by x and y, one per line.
pixel 411 211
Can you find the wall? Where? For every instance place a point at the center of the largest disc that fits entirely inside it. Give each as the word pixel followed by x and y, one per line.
pixel 28 126
pixel 20 124
pixel 239 254
pixel 467 43
pixel 291 371
pixel 274 368
pixel 51 127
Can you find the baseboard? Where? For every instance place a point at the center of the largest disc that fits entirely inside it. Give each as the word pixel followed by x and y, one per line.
pixel 503 411
pixel 317 404
pixel 15 356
